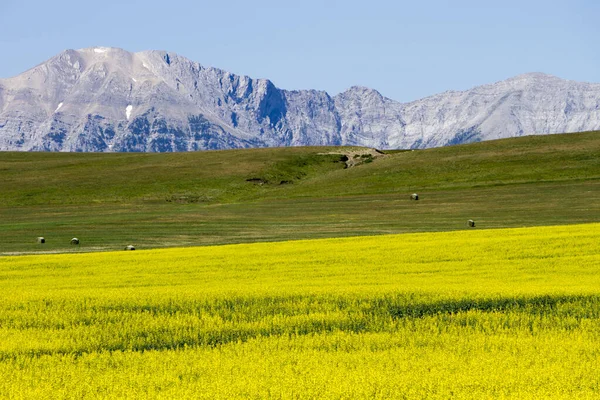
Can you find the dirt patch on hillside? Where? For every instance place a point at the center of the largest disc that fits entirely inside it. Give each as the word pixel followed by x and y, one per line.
pixel 359 156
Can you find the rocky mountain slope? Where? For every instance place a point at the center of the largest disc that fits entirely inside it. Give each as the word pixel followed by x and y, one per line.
pixel 107 99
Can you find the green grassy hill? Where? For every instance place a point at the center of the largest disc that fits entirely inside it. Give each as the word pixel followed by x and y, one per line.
pixel 180 199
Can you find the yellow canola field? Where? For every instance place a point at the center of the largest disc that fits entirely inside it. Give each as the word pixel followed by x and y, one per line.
pixel 508 313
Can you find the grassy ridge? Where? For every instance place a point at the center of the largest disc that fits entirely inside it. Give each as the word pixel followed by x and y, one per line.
pixel 221 176
pixel 161 200
pixel 205 177
pixel 496 313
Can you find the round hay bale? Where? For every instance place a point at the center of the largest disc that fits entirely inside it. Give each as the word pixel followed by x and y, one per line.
pixel 414 196
pixel 41 240
pixel 130 247
pixel 471 223
pixel 74 241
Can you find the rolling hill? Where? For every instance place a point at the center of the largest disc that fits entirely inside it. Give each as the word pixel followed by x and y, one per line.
pixel 198 198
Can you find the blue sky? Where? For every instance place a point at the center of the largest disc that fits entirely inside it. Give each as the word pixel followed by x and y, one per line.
pixel 406 50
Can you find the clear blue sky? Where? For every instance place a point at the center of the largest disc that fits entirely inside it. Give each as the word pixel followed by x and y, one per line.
pixel 406 50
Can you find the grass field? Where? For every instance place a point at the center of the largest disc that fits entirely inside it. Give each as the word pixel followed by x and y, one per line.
pixel 511 313
pixel 185 199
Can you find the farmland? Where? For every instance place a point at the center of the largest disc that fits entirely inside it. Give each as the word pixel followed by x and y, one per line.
pixel 506 313
pixel 311 279
pixel 258 195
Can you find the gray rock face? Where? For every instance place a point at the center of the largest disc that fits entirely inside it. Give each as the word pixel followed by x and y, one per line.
pixel 106 99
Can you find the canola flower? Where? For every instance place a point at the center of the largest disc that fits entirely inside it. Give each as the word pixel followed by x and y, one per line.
pixel 510 313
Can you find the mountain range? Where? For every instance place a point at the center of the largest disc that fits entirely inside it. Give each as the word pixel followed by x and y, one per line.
pixel 107 99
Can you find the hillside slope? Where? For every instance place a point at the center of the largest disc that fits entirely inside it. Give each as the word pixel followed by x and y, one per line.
pixel 158 200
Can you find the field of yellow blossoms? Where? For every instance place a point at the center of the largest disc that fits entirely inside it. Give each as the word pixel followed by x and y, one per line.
pixel 511 313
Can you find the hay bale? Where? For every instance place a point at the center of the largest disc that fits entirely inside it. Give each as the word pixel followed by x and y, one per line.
pixel 41 240
pixel 130 247
pixel 414 196
pixel 74 241
pixel 471 223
